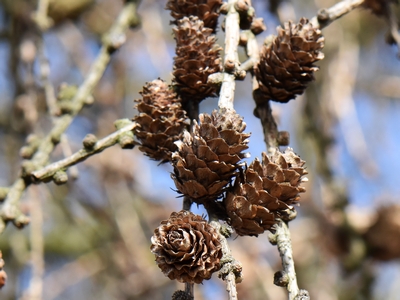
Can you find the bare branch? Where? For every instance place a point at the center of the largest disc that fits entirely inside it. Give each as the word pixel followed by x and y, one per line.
pixel 9 210
pixel 231 60
pixel 231 269
pixel 327 15
pixel 110 140
pixel 281 238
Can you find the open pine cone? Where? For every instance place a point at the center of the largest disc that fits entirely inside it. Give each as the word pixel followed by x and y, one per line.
pixel 197 57
pixel 208 158
pixel 186 247
pixel 265 191
pixel 161 120
pixel 287 64
pixel 205 10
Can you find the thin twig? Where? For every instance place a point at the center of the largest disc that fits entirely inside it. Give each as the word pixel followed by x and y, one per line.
pixel 327 15
pixel 231 60
pixel 35 290
pixel 81 155
pixel 42 20
pixel 189 289
pixel 9 210
pixel 44 69
pixel 282 239
pixel 231 269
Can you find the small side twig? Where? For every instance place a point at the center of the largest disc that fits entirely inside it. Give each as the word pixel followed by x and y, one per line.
pixel 81 155
pixel 327 15
pixel 287 278
pixel 231 269
pixel 42 20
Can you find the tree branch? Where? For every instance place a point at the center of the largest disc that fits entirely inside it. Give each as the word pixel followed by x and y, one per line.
pixel 231 269
pixel 9 210
pixel 287 278
pixel 231 60
pixel 326 16
pixel 47 173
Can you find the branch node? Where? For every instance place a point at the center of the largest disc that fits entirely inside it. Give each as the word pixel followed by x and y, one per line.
pixel 229 65
pixel 258 26
pixel 89 100
pixel 242 6
pixel 127 140
pixel 243 39
pixel 21 220
pixel 283 138
pixel 302 295
pixel 225 8
pixel 32 146
pixel 27 167
pixel 272 238
pixel 240 74
pixel 281 279
pixel 60 177
pixel 89 141
pixel 226 230
pixel 323 16
pixel 3 192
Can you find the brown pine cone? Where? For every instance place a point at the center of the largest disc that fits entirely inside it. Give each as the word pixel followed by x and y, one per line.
pixel 265 192
pixel 208 158
pixel 205 10
pixel 197 57
pixel 382 238
pixel 161 120
pixel 186 247
pixel 287 64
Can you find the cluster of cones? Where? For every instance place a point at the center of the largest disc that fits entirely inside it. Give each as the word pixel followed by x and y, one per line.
pixel 207 160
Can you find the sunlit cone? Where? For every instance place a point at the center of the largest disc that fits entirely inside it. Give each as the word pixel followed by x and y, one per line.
pixel 265 191
pixel 160 121
pixel 382 238
pixel 209 157
pixel 186 247
pixel 197 56
pixel 205 10
pixel 287 64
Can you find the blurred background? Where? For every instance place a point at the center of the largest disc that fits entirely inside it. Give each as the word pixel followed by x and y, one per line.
pixel 90 238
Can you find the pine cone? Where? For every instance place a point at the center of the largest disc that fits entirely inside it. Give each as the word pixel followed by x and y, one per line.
pixel 382 238
pixel 186 247
pixel 208 158
pixel 286 65
pixel 161 120
pixel 205 10
pixel 265 192
pixel 197 57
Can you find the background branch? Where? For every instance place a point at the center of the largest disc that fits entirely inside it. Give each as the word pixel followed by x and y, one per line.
pixel 9 210
pixel 327 15
pixel 81 155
